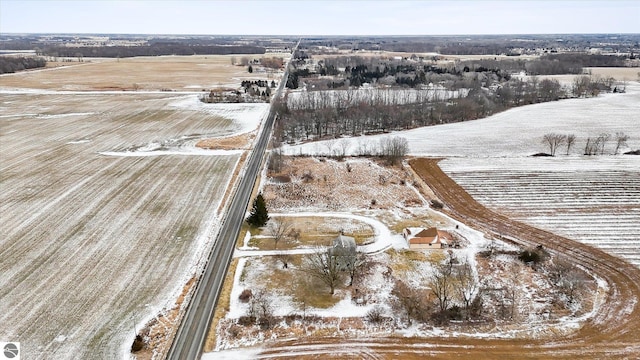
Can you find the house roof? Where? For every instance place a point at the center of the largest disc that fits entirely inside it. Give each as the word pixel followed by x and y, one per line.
pixel 426 236
pixel 344 242
pixel 430 232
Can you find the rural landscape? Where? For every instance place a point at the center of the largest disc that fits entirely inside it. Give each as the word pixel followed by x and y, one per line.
pixel 241 197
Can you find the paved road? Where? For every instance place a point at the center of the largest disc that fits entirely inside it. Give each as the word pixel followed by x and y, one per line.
pixel 191 335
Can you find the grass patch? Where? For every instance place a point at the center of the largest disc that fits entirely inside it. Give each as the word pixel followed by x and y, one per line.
pixel 313 231
pixel 399 226
pixel 224 302
pixel 404 261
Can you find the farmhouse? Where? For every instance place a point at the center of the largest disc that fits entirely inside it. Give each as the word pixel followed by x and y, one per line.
pixel 420 238
pixel 344 250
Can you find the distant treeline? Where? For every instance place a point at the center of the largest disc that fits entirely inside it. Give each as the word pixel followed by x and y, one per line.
pixel 481 44
pixel 480 88
pixel 155 49
pixel 10 64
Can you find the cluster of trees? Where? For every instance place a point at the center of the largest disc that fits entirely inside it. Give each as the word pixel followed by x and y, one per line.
pixel 262 83
pixel 594 145
pixel 482 88
pixel 272 62
pixel 154 49
pixel 328 118
pixel 10 64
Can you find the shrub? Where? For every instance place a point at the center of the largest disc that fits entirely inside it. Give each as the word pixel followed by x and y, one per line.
pixel 436 204
pixel 138 344
pixel 245 295
pixel 246 320
pixel 529 256
pixel 375 315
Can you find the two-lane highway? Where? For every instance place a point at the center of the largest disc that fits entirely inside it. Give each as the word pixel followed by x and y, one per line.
pixel 191 335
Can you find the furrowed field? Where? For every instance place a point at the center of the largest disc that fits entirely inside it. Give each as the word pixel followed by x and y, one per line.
pixel 107 210
pixel 596 202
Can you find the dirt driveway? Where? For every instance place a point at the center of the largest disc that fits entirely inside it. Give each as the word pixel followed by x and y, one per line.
pixel 610 334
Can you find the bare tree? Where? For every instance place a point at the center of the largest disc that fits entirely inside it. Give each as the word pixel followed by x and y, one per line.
pixel 278 230
pixel 329 144
pixel 553 141
pixel 604 138
pixel 621 140
pixel 276 159
pixel 324 267
pixel 409 301
pixel 466 285
pixel 356 264
pixel 394 148
pixel 512 291
pixel 568 279
pixel 343 146
pixel 261 307
pixel 441 283
pixel 571 140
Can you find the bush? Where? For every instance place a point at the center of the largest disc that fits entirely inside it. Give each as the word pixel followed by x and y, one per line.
pixel 375 315
pixel 530 256
pixel 245 295
pixel 138 344
pixel 266 322
pixel 246 320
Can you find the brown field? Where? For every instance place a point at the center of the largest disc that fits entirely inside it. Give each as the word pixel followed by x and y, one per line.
pixel 620 74
pixel 101 243
pixel 162 73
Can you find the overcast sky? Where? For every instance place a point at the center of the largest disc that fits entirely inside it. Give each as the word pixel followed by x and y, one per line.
pixel 303 17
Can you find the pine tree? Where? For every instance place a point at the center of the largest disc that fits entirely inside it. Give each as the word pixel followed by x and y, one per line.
pixel 258 216
pixel 250 69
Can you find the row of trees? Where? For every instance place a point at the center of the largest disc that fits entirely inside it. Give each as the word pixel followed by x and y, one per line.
pixel 154 49
pixel 334 118
pixel 594 145
pixel 10 64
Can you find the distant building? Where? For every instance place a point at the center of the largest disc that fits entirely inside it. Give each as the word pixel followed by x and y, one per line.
pixel 421 238
pixel 344 250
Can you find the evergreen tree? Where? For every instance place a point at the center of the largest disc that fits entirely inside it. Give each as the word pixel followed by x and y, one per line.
pixel 250 69
pixel 258 216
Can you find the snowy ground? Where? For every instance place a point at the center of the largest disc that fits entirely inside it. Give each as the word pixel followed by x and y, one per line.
pixel 592 199
pixel 100 243
pixel 255 267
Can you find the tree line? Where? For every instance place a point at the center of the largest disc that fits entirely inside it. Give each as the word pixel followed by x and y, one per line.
pixel 154 49
pixel 10 64
pixel 329 118
pixel 595 145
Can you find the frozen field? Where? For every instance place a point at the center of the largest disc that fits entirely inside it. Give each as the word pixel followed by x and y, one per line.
pixel 594 201
pixel 93 243
pixel 591 199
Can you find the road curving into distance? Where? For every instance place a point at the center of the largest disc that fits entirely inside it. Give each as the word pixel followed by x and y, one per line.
pixel 611 333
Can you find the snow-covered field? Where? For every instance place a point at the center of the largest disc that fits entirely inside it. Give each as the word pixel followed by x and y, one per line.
pixel 94 245
pixel 594 199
